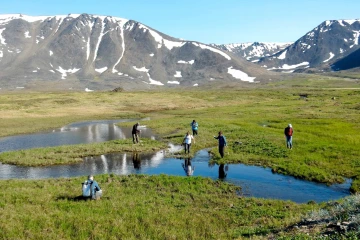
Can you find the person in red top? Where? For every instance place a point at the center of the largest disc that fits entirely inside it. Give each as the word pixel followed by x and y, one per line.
pixel 288 134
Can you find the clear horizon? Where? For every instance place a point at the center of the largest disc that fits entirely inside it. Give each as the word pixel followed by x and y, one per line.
pixel 231 21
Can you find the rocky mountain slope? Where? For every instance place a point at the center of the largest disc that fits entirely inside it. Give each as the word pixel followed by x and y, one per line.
pixel 102 52
pixel 321 49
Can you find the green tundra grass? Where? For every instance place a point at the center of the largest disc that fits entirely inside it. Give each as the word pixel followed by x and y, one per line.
pixel 326 149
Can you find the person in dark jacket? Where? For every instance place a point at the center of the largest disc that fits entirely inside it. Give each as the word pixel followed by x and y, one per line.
pixel 288 135
pixel 222 143
pixel 135 133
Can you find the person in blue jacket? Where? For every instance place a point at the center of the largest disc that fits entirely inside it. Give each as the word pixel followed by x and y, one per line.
pixel 96 191
pixel 194 126
pixel 222 143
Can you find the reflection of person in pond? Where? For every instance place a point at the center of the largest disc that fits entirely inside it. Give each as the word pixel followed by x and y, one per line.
pixel 188 168
pixel 222 143
pixel 222 173
pixel 136 160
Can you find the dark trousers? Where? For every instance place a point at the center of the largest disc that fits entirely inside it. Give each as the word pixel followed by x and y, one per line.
pixel 135 138
pixel 187 147
pixel 221 151
pixel 195 132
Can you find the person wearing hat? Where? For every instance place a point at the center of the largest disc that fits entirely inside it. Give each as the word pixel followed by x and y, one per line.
pixel 288 135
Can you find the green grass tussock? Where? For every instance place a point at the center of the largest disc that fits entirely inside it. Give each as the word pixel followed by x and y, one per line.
pixel 75 153
pixel 138 207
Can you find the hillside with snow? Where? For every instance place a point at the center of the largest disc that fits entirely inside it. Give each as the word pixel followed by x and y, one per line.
pixel 321 49
pixel 253 51
pixel 102 52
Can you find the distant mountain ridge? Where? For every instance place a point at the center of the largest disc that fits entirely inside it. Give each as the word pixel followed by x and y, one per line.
pixel 103 52
pixel 321 49
pixel 331 46
pixel 253 51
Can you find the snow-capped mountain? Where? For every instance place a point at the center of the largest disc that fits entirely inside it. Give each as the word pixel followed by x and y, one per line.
pixel 253 51
pixel 102 52
pixel 320 49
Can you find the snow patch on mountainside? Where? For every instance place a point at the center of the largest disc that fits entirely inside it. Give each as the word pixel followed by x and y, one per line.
pixel 27 35
pixel 212 49
pixel 286 66
pixel 283 55
pixel 101 70
pixel 143 69
pixel 99 40
pixel 154 82
pixel 65 72
pixel 240 75
pixel 121 23
pixel 186 62
pixel 331 56
pixel 356 38
pixel 160 40
pixel 173 82
pixel 171 44
pixel 2 39
pixel 350 22
pixel 178 74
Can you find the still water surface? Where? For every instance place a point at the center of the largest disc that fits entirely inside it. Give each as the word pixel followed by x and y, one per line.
pixel 254 181
pixel 76 133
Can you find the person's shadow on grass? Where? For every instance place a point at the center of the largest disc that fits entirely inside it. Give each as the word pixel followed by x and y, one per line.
pixel 76 199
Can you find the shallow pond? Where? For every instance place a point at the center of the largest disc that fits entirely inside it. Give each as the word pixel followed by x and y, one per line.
pixel 254 181
pixel 76 133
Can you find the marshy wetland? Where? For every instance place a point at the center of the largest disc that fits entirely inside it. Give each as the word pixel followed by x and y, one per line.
pixel 326 150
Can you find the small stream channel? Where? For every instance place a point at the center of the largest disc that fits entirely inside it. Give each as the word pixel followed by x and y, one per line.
pixel 254 181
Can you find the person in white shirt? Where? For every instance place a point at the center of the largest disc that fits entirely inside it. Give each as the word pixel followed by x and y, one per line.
pixel 187 142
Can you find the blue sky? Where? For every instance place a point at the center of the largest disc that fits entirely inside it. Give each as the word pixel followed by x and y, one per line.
pixel 207 21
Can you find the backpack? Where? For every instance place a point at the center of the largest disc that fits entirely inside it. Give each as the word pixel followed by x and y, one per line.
pixel 86 188
pixel 290 132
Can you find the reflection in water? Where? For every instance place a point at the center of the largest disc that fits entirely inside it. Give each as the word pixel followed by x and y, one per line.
pixel 222 173
pixel 136 160
pixel 254 181
pixel 77 133
pixel 187 166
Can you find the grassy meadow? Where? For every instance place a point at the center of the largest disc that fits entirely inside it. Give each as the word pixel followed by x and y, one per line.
pixel 326 145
